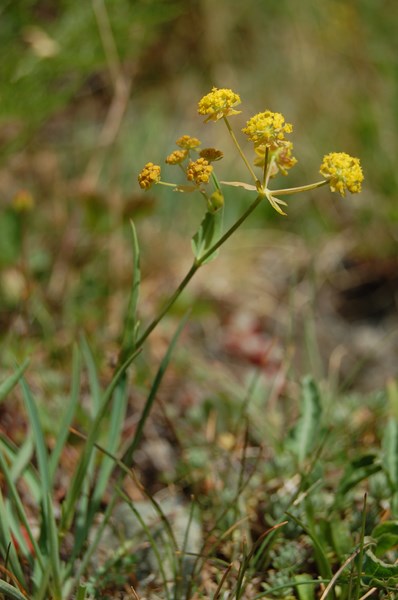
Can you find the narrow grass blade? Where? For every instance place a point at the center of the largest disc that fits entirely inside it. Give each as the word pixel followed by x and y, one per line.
pixel 77 483
pixel 10 382
pixel 49 526
pixel 6 542
pixel 131 323
pixel 114 436
pixel 67 418
pixel 107 466
pixel 38 437
pixel 21 464
pixel 320 554
pixel 51 533
pixel 128 455
pixel 11 592
pixel 390 452
pixel 95 388
pixel 19 508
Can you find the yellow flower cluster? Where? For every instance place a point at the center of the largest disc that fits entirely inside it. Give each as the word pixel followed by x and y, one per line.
pixel 343 172
pixel 199 171
pixel 219 103
pixel 187 142
pixel 267 128
pixel 149 175
pixel 176 157
pixel 281 159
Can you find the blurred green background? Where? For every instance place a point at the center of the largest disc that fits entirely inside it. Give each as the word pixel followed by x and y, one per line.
pixel 91 91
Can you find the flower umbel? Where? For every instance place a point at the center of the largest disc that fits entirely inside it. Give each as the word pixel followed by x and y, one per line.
pixel 199 171
pixel 149 175
pixel 219 103
pixel 176 157
pixel 343 172
pixel 268 129
pixel 187 142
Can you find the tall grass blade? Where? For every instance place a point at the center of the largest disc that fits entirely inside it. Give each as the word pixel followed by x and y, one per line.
pixel 95 388
pixel 11 592
pixel 390 452
pixel 67 418
pixel 6 542
pixel 128 455
pixel 49 526
pixel 77 483
pixel 131 323
pixel 18 505
pixel 12 380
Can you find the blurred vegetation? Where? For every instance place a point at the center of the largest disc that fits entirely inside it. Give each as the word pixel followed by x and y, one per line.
pixel 90 91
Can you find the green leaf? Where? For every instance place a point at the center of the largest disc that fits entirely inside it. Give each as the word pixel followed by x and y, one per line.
pixel 306 432
pixel 386 536
pixel 376 572
pixel 357 471
pixel 10 382
pixel 390 452
pixel 207 235
pixel 305 587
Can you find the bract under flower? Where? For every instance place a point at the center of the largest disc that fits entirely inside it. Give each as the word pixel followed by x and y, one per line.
pixel 343 172
pixel 219 103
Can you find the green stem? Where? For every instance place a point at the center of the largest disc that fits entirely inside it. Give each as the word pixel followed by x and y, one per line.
pixel 195 266
pixel 266 157
pixel 300 188
pixel 235 141
pixel 169 303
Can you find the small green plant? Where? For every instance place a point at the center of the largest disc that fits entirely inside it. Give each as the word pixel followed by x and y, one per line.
pixel 47 552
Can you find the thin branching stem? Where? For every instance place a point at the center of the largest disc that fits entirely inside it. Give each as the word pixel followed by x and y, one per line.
pixel 242 154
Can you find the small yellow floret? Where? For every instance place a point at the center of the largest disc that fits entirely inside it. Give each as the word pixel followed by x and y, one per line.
pixel 149 175
pixel 188 142
pixel 268 129
pixel 199 171
pixel 176 157
pixel 219 103
pixel 343 172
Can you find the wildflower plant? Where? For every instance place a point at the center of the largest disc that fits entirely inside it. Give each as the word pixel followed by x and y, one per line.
pixel 52 559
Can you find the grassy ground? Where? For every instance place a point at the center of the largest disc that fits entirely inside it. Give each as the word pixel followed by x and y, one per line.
pixel 253 453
